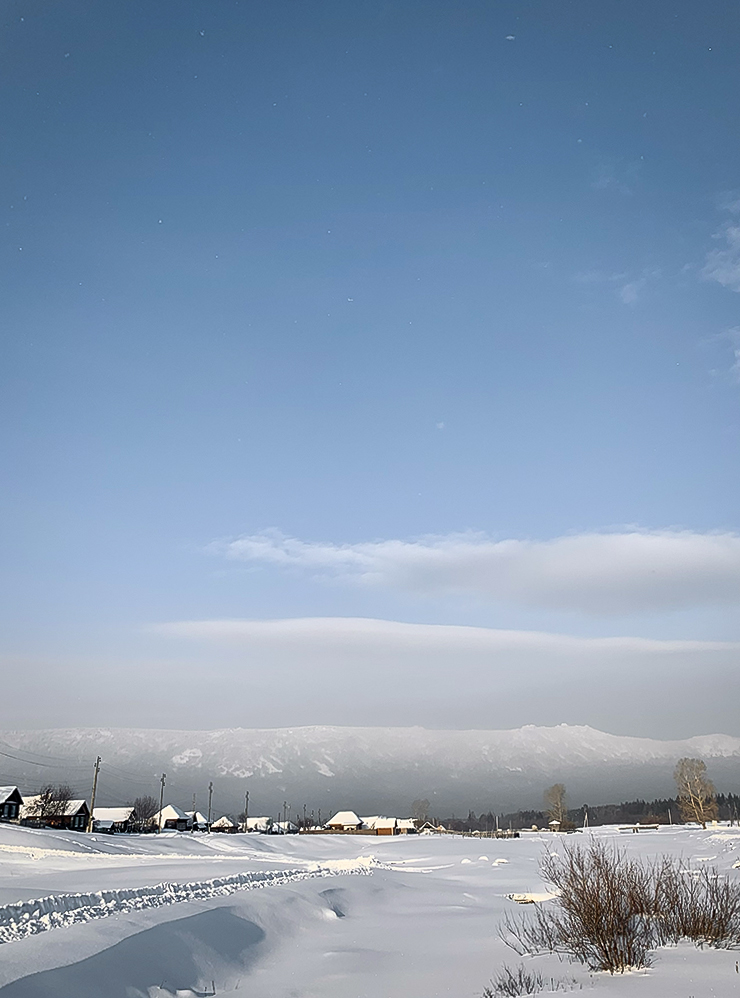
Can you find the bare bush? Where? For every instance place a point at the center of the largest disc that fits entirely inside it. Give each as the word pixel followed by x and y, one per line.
pixel 510 983
pixel 699 905
pixel 513 983
pixel 610 911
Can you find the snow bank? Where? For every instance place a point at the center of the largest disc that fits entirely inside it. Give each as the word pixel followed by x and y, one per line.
pixel 28 918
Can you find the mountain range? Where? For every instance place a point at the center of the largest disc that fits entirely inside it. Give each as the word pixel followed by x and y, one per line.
pixel 370 770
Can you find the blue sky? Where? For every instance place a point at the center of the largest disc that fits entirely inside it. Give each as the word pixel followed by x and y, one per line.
pixel 423 276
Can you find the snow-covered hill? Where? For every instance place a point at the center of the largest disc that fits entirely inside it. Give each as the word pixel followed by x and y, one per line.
pixel 373 769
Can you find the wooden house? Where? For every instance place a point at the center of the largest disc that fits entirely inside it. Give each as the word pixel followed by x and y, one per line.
pixel 10 803
pixel 114 819
pixel 72 814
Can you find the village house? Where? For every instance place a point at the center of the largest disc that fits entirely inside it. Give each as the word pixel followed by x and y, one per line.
pixel 10 803
pixel 72 814
pixel 262 825
pixel 224 824
pixel 114 819
pixel 344 821
pixel 284 828
pixel 171 818
pixel 198 821
pixel 384 826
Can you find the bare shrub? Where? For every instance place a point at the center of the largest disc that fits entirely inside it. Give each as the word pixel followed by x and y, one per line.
pixel 610 911
pixel 510 983
pixel 700 905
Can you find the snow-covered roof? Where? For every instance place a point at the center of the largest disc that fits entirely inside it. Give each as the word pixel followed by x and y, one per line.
pixel 170 812
pixel 68 810
pixel 370 820
pixel 384 823
pixel 344 819
pixel 406 823
pixel 258 824
pixel 118 815
pixel 223 822
pixel 197 817
pixel 6 792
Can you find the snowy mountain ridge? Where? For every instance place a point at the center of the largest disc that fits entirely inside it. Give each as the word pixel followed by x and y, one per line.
pixel 356 761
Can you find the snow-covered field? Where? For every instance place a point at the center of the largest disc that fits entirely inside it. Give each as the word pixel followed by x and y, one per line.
pixel 298 917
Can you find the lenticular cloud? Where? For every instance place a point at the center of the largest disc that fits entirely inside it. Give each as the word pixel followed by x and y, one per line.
pixel 596 573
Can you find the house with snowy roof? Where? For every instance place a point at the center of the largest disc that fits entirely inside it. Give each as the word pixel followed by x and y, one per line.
pixel 10 803
pixel 287 827
pixel 198 821
pixel 262 825
pixel 224 824
pixel 344 821
pixel 114 819
pixel 71 814
pixel 172 818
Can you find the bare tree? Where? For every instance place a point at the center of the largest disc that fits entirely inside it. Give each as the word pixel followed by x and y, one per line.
pixel 51 801
pixel 697 798
pixel 420 810
pixel 556 805
pixel 145 808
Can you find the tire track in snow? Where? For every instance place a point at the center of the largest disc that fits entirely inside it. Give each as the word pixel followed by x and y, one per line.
pixel 27 918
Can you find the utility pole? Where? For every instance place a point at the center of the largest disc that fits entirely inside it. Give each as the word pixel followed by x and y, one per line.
pixel 304 816
pixel 585 815
pixel 210 798
pixel 246 811
pixel 319 817
pixel 161 802
pixel 192 823
pixel 91 820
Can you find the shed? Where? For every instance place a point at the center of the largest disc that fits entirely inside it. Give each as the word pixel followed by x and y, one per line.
pixel 10 803
pixel 406 826
pixel 385 826
pixel 345 821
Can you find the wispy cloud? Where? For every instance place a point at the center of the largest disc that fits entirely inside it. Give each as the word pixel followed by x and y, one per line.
pixel 628 290
pixel 369 671
pixel 372 634
pixel 733 336
pixel 614 177
pixel 723 264
pixel 612 573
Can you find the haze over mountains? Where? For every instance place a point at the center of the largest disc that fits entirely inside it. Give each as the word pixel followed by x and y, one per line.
pixel 369 769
